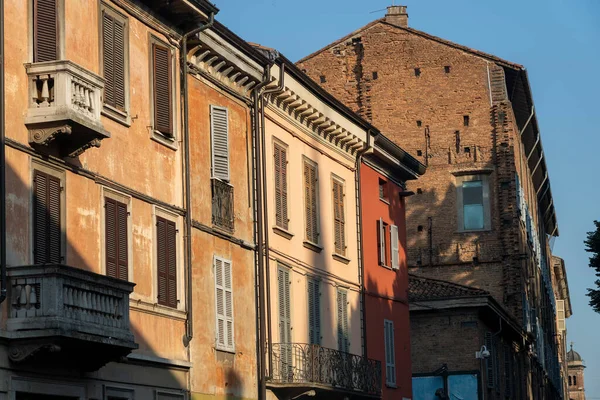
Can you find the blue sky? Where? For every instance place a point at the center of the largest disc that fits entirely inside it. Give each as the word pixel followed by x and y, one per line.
pixel 558 41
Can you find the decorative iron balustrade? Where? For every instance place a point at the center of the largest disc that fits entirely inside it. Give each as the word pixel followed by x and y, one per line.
pixel 295 363
pixel 222 205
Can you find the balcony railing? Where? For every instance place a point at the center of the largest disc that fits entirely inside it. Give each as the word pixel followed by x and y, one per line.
pixel 222 205
pixel 56 307
pixel 65 101
pixel 310 364
pixel 455 252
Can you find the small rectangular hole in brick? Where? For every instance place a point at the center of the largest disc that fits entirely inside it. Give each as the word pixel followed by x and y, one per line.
pixel 420 228
pixel 419 123
pixel 323 79
pixel 417 71
pixel 419 153
pixel 419 191
pixel 466 120
pixel 447 69
pixel 375 75
pixel 467 150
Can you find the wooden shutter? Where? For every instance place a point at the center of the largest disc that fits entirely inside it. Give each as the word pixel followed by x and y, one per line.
pixel 281 211
pixel 507 371
pixel 47 235
pixel 283 280
pixel 390 355
pixel 338 217
pixel 342 308
pixel 115 220
pixel 394 247
pixel 166 248
pixel 314 312
pixel 45 31
pixel 489 364
pixel 219 135
pixel 113 51
pixel 224 304
pixel 163 118
pixel 381 241
pixel 310 202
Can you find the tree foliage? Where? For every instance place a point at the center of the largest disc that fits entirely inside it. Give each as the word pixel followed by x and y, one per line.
pixel 592 245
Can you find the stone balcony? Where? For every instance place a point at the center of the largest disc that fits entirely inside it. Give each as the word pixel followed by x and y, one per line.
pixel 59 314
pixel 65 101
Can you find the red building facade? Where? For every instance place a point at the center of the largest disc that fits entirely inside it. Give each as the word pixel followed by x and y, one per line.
pixel 386 315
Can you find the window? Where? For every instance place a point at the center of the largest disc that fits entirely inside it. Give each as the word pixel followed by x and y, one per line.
pixel 224 304
pixel 508 375
pixel 314 312
pixel 473 203
pixel 166 256
pixel 48 214
pixel 162 91
pixel 281 200
pixel 342 314
pixel 116 232
pixel 222 191
pixel 115 63
pixel 390 354
pixel 111 393
pixel 383 189
pixel 387 245
pixel 489 362
pixel 465 120
pixel 338 217
pixel 285 318
pixel 310 201
pixel 160 395
pixel 45 30
pixel 570 381
pixel 382 246
pixel 574 380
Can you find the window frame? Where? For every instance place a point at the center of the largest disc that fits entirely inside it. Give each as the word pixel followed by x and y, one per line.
pixel 125 199
pixel 382 225
pixel 383 188
pixel 60 25
pixel 224 347
pixel 485 185
pixel 283 268
pixel 389 324
pixel 118 392
pixel 60 174
pixel 342 183
pixel 181 292
pixel 212 108
pixel 169 141
pixel 124 117
pixel 316 246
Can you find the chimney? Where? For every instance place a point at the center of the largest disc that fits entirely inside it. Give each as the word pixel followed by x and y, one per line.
pixel 397 15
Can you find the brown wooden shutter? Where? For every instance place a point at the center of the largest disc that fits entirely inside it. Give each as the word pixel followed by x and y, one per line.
pixel 166 247
pixel 113 50
pixel 281 212
pixel 116 216
pixel 338 222
pixel 46 224
pixel 45 31
pixel 161 56
pixel 310 189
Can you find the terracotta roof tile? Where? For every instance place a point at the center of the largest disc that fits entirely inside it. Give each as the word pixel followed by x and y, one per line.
pixel 423 289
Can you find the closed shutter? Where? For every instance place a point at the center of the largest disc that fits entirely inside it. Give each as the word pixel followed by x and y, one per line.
pixel 219 135
pixel 46 219
pixel 394 247
pixel 113 51
pixel 489 362
pixel 507 372
pixel 338 218
pixel 115 221
pixel 224 304
pixel 390 355
pixel 166 248
pixel 285 326
pixel 310 202
pixel 381 247
pixel 45 31
pixel 342 312
pixel 163 118
pixel 314 312
pixel 281 211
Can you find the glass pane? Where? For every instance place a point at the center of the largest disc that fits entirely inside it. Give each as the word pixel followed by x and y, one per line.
pixel 473 216
pixel 472 192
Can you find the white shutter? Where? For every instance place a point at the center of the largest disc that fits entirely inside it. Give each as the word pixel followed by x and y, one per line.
pixel 390 355
pixel 381 242
pixel 394 246
pixel 219 137
pixel 560 315
pixel 224 304
pixel 314 312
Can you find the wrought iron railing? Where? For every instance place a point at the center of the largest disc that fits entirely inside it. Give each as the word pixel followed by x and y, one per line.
pixel 222 205
pixel 312 364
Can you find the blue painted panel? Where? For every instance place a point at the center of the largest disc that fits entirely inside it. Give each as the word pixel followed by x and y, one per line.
pixel 462 387
pixel 424 387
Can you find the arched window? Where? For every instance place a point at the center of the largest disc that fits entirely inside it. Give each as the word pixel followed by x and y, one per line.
pixel 574 380
pixel 570 381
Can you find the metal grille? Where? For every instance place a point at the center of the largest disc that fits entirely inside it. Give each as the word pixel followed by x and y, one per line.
pixel 222 205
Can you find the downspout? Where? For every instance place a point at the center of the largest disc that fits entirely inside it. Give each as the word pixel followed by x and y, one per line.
pixel 260 235
pixel 187 177
pixel 2 165
pixel 279 88
pixel 361 262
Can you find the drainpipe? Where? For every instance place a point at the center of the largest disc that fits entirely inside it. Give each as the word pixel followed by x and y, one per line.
pixel 2 165
pixel 188 179
pixel 260 234
pixel 361 262
pixel 279 88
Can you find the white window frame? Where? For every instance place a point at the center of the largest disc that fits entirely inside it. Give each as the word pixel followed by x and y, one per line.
pixel 390 352
pixel 125 199
pixel 278 229
pixel 224 347
pixel 485 184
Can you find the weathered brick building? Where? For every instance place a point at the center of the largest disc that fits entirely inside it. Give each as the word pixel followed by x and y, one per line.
pixel 483 214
